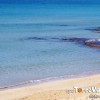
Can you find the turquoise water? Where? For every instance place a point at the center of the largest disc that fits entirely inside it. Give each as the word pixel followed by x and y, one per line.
pixel 21 61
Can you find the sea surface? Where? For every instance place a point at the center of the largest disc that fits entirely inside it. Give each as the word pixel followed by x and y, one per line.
pixel 26 53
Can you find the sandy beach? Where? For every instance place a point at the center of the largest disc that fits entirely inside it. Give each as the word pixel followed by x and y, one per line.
pixel 57 90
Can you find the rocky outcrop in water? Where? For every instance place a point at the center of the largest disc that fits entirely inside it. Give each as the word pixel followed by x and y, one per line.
pixel 94 43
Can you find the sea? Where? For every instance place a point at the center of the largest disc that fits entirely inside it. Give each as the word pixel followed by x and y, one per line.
pixel 31 46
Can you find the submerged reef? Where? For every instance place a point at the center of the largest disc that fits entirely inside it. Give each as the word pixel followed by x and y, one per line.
pixel 93 43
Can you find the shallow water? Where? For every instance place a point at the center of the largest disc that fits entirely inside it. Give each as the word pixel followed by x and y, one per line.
pixel 21 61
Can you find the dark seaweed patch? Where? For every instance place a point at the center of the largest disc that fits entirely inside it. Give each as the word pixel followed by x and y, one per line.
pixel 76 40
pixel 63 25
pixel 96 30
pixel 81 40
pixel 94 43
pixel 35 38
pixel 35 24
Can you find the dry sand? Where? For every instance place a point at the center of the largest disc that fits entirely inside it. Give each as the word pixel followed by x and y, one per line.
pixel 54 90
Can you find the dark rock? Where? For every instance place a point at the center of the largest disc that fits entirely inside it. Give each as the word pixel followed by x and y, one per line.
pixel 94 43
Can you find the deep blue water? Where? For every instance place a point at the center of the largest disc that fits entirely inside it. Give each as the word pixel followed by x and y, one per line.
pixel 22 60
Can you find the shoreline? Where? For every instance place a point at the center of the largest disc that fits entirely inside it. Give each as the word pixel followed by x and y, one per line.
pixel 46 89
pixel 46 80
